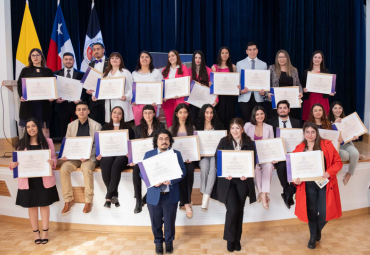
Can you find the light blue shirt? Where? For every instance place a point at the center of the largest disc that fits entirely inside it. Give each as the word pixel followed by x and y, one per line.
pixel 167 188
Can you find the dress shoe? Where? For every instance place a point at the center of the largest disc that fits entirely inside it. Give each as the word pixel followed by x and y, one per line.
pixel 230 246
pixel 115 201
pixel 285 200
pixel 169 248
pixel 143 201
pixel 238 246
pixel 138 207
pixel 107 204
pixel 312 242
pixel 318 237
pixel 159 248
pixel 67 207
pixel 87 208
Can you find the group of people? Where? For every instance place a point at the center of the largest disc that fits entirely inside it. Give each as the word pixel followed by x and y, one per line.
pixel 259 121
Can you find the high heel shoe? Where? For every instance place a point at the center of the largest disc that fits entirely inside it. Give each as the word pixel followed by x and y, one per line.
pixel 259 199
pixel 37 241
pixel 265 201
pixel 45 241
pixel 189 211
pixel 205 202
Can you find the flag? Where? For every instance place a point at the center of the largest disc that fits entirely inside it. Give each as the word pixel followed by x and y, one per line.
pixel 60 43
pixel 93 35
pixel 27 41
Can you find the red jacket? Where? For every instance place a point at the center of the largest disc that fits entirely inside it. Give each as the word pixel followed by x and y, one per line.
pixel 333 165
pixel 185 72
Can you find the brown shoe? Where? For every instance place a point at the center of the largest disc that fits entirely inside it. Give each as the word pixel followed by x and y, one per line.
pixel 67 207
pixel 87 208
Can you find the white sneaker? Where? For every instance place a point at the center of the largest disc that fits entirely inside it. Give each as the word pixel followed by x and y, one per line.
pixel 205 202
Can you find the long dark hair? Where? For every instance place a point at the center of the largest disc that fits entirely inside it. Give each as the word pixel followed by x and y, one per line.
pixel 109 67
pixel 167 68
pixel 43 60
pixel 254 112
pixel 317 145
pixel 322 65
pixel 122 123
pixel 188 123
pixel 203 75
pixel 144 124
pixel 162 131
pixel 331 116
pixel 324 120
pixel 215 122
pixel 245 137
pixel 228 61
pixel 151 65
pixel 24 143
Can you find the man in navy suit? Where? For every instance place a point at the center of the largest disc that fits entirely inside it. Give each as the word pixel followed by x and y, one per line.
pixel 163 198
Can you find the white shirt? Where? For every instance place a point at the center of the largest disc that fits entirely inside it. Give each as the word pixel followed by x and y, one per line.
pixel 172 73
pixel 167 188
pixel 288 124
pixel 250 62
pixel 155 75
pixel 100 66
pixel 66 72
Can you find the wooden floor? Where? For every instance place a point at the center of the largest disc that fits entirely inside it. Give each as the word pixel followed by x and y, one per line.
pixel 343 236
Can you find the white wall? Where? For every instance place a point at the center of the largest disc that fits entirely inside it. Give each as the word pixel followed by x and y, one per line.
pixel 367 81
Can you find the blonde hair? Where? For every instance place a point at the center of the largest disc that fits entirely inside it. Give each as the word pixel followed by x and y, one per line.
pixel 290 68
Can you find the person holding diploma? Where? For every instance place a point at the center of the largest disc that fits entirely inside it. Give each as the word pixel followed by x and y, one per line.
pixel 83 126
pixel 183 126
pixel 66 109
pixel 111 167
pixel 316 205
pixel 39 191
pixel 116 68
pixel 144 72
pixel 207 121
pixel 317 65
pixel 164 197
pixel 149 125
pixel 283 74
pixel 250 99
pixel 174 69
pixel 233 192
pixel 38 109
pixel 348 151
pixel 257 129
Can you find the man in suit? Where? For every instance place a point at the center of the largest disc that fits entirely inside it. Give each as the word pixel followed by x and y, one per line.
pixel 97 108
pixel 66 109
pixel 249 99
pixel 163 198
pixel 83 126
pixel 283 121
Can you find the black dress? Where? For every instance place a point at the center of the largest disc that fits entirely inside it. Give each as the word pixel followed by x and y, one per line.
pixel 36 195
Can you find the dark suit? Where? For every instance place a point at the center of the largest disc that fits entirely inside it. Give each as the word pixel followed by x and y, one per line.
pixel 163 207
pixel 97 109
pixel 281 166
pixel 66 110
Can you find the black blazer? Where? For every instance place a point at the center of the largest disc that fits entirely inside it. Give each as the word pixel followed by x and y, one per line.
pixel 221 187
pixel 139 127
pixel 131 133
pixel 92 64
pixel 304 81
pixel 275 123
pixel 25 110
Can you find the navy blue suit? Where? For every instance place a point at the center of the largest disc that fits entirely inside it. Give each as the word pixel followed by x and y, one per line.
pixel 163 207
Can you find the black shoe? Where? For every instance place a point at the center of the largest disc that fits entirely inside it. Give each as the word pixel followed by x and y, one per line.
pixel 115 201
pixel 45 241
pixel 318 237
pixel 138 207
pixel 230 246
pixel 159 248
pixel 107 204
pixel 285 200
pixel 238 247
pixel 143 201
pixel 37 241
pixel 312 242
pixel 290 199
pixel 169 248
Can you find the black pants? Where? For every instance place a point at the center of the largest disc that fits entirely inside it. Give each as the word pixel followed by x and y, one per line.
pixel 238 192
pixel 226 109
pixel 186 184
pixel 111 168
pixel 282 174
pixel 247 108
pixel 97 111
pixel 316 207
pixel 136 181
pixel 67 113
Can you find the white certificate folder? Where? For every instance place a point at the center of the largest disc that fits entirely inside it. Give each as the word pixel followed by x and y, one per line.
pixel 235 163
pixel 32 163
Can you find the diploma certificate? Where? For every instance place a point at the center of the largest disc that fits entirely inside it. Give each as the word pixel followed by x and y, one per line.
pixel 350 126
pixel 307 166
pixel 332 135
pixel 235 163
pixel 111 143
pixel 225 83
pixel 90 79
pixel 137 149
pixel 269 150
pixel 209 140
pixel 179 87
pixel 39 88
pixel 188 146
pixel 160 168
pixel 292 137
pixel 76 147
pixel 286 93
pixel 255 80
pixel 200 95
pixel 110 88
pixel 32 164
pixel 69 89
pixel 321 82
pixel 147 92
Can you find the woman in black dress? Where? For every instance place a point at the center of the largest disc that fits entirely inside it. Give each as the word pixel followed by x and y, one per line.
pixel 111 167
pixel 39 191
pixel 38 109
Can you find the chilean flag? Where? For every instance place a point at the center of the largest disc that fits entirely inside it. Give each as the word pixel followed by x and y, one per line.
pixel 60 43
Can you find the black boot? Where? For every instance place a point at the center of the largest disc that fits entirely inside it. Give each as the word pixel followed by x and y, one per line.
pixel 312 242
pixel 138 207
pixel 143 201
pixel 238 247
pixel 230 246
pixel 318 237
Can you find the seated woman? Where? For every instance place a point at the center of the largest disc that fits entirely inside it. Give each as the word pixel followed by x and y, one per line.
pixel 111 167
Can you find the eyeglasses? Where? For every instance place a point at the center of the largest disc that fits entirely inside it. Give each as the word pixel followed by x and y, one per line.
pixel 35 56
pixel 165 139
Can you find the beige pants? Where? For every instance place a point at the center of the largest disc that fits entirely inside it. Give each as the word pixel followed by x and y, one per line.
pixel 87 168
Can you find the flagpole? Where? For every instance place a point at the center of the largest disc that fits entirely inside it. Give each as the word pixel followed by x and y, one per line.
pixel 92 5
pixel 58 2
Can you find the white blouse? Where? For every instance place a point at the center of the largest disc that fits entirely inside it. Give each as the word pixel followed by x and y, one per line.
pixel 155 75
pixel 172 73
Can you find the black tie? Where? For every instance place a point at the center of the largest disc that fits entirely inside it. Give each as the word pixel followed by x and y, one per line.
pixel 69 74
pixel 284 123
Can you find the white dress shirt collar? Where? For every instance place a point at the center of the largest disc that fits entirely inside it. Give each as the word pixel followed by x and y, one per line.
pixel 288 123
pixel 66 72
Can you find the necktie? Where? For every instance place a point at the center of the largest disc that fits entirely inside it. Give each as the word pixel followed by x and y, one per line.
pixel 69 74
pixel 98 61
pixel 284 122
pixel 253 64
